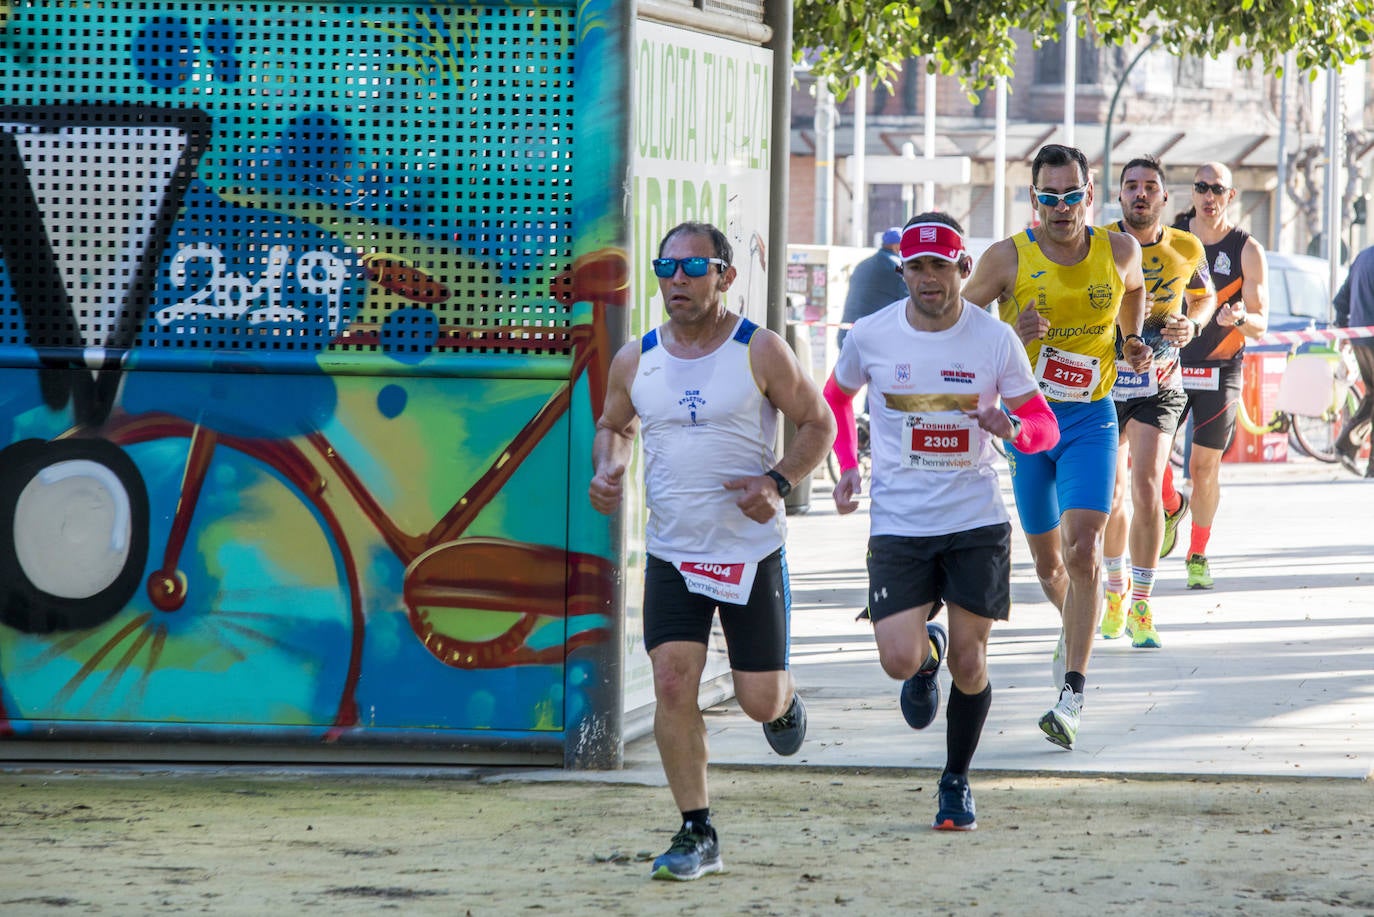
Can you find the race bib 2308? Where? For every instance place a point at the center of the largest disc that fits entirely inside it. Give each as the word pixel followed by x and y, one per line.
pixel 942 441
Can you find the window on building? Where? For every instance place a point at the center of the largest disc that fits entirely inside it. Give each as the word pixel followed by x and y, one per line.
pixel 1049 63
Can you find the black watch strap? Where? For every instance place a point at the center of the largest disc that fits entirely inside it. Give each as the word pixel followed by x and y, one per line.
pixel 784 485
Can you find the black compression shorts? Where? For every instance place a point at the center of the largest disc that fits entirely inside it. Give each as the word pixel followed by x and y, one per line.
pixel 756 634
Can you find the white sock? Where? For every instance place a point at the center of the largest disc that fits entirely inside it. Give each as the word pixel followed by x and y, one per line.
pixel 1116 574
pixel 1142 583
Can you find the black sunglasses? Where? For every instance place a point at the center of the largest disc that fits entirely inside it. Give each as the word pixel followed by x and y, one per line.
pixel 1201 187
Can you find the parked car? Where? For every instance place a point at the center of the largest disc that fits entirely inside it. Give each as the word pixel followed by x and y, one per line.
pixel 1299 294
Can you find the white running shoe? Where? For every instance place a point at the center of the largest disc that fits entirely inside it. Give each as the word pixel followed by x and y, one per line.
pixel 1060 724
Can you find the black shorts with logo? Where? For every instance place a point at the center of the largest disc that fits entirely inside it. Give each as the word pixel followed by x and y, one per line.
pixel 756 634
pixel 1214 410
pixel 1162 410
pixel 970 569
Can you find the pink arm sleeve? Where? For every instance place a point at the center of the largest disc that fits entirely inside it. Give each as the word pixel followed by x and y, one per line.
pixel 1039 427
pixel 847 434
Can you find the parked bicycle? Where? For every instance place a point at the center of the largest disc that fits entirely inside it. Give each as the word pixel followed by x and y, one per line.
pixel 1319 390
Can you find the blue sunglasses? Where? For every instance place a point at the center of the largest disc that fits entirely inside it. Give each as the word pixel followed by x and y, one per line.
pixel 692 267
pixel 1068 198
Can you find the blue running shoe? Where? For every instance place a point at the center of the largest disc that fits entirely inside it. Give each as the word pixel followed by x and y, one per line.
pixel 695 851
pixel 785 733
pixel 921 692
pixel 956 805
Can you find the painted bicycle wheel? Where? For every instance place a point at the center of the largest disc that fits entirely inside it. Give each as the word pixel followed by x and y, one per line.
pixel 76 513
pixel 265 631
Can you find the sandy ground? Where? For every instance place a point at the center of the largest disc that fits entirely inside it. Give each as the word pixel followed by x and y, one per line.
pixel 794 842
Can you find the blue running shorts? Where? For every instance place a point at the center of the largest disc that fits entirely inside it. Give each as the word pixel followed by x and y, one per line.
pixel 1078 473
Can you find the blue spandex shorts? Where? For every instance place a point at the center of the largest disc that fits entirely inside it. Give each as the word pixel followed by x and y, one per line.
pixel 1078 473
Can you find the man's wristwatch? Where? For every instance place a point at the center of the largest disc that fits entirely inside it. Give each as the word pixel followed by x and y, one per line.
pixel 1015 426
pixel 784 485
pixel 1197 326
pixel 1242 319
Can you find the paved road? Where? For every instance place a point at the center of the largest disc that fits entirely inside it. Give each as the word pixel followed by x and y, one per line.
pixel 1270 673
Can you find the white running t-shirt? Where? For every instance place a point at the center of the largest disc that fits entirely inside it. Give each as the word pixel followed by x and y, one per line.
pixel 933 466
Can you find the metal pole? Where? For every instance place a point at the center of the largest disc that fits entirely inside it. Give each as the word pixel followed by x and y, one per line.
pixel 908 191
pixel 928 200
pixel 999 162
pixel 1331 239
pixel 858 214
pixel 1281 157
pixel 1111 111
pixel 825 163
pixel 1070 72
pixel 779 16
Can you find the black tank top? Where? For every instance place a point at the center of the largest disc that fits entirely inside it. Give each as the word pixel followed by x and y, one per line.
pixel 1217 344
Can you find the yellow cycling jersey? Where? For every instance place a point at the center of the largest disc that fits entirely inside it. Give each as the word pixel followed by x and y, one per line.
pixel 1173 264
pixel 1076 360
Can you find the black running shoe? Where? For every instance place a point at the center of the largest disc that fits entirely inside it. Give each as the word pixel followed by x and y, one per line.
pixel 695 851
pixel 785 733
pixel 956 805
pixel 921 692
pixel 1348 454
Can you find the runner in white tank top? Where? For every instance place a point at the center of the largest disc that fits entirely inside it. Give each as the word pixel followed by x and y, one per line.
pixel 695 407
pixel 707 386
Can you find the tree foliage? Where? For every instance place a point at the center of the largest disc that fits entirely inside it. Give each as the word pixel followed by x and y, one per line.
pixel 973 39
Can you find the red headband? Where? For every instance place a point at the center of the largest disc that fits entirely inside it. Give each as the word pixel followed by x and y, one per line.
pixel 939 240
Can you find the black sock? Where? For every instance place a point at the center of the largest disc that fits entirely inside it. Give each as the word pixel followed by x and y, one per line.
pixel 792 706
pixel 699 817
pixel 964 718
pixel 1075 680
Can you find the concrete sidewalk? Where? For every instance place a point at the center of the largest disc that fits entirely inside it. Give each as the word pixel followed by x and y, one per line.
pixel 1270 673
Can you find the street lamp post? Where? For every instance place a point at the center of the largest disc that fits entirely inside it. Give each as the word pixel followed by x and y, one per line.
pixel 1111 110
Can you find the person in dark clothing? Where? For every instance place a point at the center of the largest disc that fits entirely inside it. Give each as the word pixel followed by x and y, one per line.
pixel 1354 304
pixel 876 282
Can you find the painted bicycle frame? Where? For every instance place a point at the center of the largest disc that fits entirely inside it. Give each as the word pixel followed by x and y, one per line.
pixel 307 311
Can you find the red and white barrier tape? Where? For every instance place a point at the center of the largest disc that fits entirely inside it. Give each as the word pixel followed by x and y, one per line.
pixel 825 324
pixel 1325 334
pixel 1269 337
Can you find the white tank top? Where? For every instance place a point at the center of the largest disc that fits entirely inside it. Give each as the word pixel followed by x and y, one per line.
pixel 703 422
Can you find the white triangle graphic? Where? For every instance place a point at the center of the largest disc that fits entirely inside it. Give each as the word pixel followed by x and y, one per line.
pixel 99 189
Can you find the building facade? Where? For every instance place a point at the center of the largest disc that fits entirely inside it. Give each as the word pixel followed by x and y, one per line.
pixel 1128 102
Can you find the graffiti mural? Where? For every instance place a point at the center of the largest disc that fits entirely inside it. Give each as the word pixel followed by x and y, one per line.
pixel 304 327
